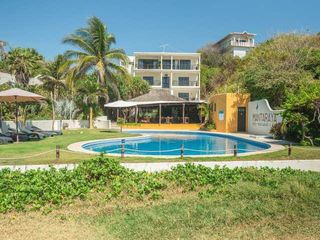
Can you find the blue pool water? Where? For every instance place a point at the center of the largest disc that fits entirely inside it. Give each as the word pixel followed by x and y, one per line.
pixel 168 143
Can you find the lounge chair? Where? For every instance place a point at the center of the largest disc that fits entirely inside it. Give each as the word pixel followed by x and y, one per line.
pixel 31 135
pixel 4 139
pixel 13 134
pixel 39 130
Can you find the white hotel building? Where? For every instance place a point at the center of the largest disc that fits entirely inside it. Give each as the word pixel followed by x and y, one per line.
pixel 179 73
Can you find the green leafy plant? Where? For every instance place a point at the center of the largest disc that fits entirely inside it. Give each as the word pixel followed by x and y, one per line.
pixel 45 190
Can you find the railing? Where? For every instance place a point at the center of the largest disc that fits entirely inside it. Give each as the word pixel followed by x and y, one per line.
pixel 168 67
pixel 241 44
pixel 185 67
pixel 175 83
pixel 148 66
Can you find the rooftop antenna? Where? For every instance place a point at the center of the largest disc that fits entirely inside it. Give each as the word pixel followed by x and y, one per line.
pixel 164 46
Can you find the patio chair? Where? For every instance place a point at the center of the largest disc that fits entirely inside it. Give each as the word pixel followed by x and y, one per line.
pixel 39 130
pixel 32 135
pixel 13 134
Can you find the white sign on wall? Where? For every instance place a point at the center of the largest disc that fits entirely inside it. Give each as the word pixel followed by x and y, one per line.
pixel 221 115
pixel 261 117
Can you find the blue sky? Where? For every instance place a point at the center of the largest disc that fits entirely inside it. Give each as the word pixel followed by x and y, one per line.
pixel 143 25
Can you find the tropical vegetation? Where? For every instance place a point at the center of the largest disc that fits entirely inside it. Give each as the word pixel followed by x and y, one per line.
pixel 83 78
pixel 284 70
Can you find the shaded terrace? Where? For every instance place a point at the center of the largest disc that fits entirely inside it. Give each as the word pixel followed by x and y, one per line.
pixel 157 106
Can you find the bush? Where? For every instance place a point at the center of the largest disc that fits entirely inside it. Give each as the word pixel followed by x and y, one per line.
pixel 37 189
pixel 276 131
pixel 208 127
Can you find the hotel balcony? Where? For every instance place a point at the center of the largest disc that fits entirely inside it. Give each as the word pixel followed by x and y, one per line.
pixel 241 44
pixel 167 67
pixel 176 83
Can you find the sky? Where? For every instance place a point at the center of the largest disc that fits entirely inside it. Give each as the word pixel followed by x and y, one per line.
pixel 144 25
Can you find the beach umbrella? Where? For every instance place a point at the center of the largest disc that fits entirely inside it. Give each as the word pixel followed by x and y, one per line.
pixel 16 95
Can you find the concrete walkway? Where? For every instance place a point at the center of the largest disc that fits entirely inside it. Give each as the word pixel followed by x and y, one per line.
pixel 305 165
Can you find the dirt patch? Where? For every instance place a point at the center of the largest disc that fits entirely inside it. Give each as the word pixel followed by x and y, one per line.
pixel 38 226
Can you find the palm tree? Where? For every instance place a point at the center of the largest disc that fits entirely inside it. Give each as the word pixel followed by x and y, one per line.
pixel 23 63
pixel 88 90
pixel 205 112
pixel 95 53
pixel 53 80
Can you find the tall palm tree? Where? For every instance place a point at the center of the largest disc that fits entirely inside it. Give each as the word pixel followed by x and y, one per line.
pixel 95 53
pixel 89 89
pixel 53 80
pixel 23 63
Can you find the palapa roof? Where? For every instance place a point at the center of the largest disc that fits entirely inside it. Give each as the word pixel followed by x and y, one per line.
pixel 156 95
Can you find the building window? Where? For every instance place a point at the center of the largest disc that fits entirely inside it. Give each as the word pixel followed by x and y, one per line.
pixel 148 79
pixel 148 64
pixel 183 81
pixel 181 64
pixel 185 96
pixel 185 64
pixel 166 64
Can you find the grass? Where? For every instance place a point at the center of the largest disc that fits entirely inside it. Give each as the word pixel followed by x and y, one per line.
pixel 244 210
pixel 25 149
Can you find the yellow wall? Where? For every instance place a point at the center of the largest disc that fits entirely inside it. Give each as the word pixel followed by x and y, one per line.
pixel 229 103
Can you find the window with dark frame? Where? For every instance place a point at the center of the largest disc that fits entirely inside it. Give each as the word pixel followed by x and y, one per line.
pixel 185 64
pixel 149 79
pixel 183 81
pixel 185 96
pixel 166 64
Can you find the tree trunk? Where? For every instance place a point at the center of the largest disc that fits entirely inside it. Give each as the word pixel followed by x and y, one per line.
pixel 53 109
pixel 90 118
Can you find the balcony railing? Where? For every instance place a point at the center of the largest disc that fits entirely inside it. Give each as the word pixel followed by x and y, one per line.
pixel 241 44
pixel 148 66
pixel 175 83
pixel 168 67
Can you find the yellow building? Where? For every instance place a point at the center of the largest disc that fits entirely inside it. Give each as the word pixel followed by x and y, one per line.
pixel 230 112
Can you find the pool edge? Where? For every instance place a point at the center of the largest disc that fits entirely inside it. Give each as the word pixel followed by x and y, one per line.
pixel 78 146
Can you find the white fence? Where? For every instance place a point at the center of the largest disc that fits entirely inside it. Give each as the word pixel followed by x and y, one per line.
pixel 61 124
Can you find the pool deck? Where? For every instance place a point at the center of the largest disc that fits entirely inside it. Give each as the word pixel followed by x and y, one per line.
pixel 275 145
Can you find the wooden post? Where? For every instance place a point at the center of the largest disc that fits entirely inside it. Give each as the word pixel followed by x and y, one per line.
pixel 289 149
pixel 117 113
pixel 235 150
pixel 182 151
pixel 183 113
pixel 122 148
pixel 160 113
pixel 57 152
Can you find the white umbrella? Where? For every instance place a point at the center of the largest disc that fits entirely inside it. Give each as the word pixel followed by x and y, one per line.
pixel 120 104
pixel 16 95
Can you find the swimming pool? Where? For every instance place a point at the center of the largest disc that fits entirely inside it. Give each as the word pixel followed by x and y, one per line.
pixel 169 143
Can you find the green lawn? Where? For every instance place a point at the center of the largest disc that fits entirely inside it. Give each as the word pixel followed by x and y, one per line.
pixel 26 149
